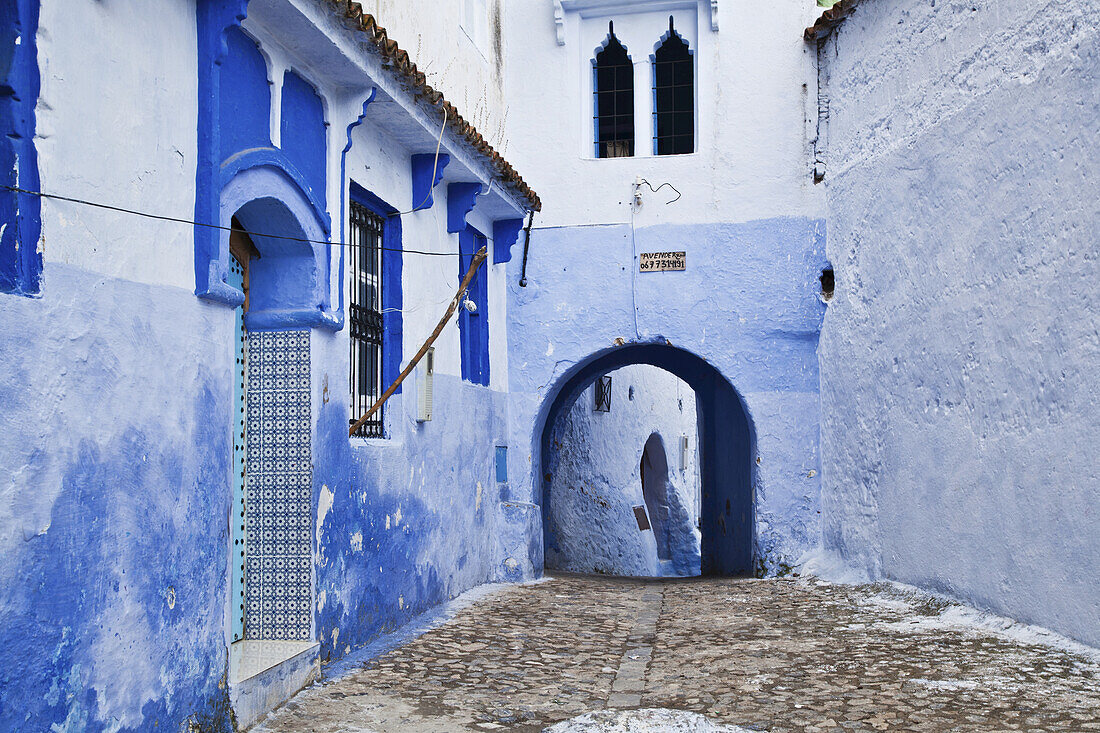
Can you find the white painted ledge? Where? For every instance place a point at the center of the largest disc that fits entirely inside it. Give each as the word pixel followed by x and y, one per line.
pixel 265 674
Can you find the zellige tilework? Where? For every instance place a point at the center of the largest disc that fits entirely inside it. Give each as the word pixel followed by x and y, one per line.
pixel 278 484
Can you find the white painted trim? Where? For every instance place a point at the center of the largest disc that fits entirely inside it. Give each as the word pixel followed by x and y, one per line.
pixel 604 8
pixel 597 8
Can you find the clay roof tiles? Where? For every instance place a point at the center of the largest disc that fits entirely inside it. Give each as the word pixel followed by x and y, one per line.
pixel 405 67
pixel 830 19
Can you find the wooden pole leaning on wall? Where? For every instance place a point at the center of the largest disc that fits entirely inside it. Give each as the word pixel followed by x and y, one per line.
pixel 476 263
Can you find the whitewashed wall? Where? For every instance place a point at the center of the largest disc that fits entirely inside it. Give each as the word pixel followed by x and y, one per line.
pixel 960 358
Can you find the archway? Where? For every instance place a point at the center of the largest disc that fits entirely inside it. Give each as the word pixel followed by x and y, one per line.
pixel 727 443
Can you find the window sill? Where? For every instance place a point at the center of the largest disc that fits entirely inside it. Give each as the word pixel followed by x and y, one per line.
pixel 359 442
pixel 642 157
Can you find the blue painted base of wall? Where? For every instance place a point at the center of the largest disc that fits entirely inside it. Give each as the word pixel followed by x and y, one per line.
pixel 404 524
pixel 748 304
pixel 113 547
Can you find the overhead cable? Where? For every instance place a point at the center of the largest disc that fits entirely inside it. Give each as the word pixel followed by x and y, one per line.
pixel 179 220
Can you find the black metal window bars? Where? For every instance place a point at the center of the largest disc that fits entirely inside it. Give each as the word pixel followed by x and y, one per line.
pixel 673 96
pixel 614 100
pixel 603 394
pixel 365 317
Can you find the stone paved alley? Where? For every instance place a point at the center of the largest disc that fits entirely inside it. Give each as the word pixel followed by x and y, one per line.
pixel 774 655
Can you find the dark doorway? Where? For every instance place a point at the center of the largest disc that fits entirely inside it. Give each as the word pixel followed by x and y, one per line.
pixel 654 472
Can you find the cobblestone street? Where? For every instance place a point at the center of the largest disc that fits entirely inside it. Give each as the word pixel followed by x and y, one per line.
pixel 771 655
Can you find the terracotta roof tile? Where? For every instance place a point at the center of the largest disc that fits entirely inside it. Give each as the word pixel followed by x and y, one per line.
pixel 404 67
pixel 830 19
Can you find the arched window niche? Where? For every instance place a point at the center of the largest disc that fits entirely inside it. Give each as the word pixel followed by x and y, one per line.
pixel 673 95
pixel 613 106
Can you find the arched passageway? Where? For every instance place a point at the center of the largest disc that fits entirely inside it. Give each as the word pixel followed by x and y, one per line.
pixel 726 446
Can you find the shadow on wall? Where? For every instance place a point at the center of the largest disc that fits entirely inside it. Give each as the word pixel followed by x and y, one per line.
pixel 672 507
pixel 726 442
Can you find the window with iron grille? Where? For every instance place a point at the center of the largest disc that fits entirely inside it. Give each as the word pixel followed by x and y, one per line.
pixel 365 316
pixel 603 394
pixel 613 88
pixel 673 96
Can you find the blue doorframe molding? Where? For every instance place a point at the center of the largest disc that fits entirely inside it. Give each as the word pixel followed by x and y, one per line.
pixel 290 279
pixel 20 214
pixel 214 19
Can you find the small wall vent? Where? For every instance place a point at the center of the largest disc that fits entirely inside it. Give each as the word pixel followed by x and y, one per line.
pixel 426 384
pixel 685 446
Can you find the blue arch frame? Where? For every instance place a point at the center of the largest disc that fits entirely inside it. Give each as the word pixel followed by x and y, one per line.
pixel 214 177
pixel 259 180
pixel 727 443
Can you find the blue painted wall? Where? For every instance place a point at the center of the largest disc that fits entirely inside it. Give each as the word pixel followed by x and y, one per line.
pixel 748 305
pixel 113 558
pixel 115 435
pixel 20 214
pixel 402 524
pixel 960 357
pixel 303 132
pixel 244 107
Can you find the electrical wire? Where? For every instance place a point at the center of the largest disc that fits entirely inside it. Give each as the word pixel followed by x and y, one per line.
pixel 655 190
pixel 634 273
pixel 179 220
pixel 414 309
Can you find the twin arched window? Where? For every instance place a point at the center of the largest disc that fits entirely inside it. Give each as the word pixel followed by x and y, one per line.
pixel 673 77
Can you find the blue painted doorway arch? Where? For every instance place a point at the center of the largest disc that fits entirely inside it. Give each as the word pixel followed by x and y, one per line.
pixel 727 444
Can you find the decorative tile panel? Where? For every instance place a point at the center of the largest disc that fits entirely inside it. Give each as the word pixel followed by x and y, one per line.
pixel 278 484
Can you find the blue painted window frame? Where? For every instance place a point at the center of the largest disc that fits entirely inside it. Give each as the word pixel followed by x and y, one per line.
pixel 392 264
pixel 20 214
pixel 473 328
